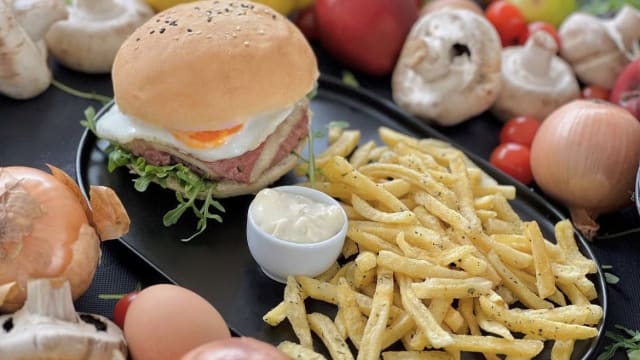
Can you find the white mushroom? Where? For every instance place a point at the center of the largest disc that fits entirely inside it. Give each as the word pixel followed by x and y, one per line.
pixel 89 39
pixel 599 49
pixel 535 81
pixel 449 67
pixel 48 327
pixel 24 72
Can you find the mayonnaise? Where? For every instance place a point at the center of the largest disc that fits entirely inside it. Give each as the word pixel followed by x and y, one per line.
pixel 295 218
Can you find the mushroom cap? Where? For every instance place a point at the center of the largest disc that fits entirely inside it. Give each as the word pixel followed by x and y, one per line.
pixel 451 57
pixel 535 82
pixel 90 38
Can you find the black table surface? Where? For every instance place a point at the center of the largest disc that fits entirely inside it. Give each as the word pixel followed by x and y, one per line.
pixel 46 129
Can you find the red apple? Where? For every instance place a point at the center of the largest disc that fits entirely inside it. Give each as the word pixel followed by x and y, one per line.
pixel 365 34
pixel 626 91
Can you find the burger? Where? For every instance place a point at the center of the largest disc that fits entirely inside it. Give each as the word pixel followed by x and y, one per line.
pixel 211 101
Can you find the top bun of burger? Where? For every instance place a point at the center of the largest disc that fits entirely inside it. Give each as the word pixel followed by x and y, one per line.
pixel 209 65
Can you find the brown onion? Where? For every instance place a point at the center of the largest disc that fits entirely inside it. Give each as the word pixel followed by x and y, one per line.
pixel 585 155
pixel 46 231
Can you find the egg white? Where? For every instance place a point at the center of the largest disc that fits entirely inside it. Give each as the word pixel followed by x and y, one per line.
pixel 118 127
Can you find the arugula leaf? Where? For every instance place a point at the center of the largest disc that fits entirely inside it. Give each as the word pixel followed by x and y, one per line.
pixel 349 79
pixel 630 344
pixel 609 278
pixel 89 119
pixel 191 186
pixel 313 91
pixel 338 124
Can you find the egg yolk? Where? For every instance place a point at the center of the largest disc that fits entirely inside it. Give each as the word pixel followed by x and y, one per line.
pixel 206 139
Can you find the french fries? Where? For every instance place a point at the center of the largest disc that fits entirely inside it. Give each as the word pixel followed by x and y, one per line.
pixel 470 274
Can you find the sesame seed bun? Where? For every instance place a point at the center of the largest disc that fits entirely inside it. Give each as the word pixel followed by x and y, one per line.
pixel 212 64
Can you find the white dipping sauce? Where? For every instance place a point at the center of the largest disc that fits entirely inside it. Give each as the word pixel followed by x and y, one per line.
pixel 295 218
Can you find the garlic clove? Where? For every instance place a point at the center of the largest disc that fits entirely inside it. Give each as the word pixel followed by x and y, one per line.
pixel 47 326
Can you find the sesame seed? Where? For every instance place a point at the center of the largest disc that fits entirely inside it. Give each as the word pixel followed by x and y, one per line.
pixel 162 30
pixel 189 30
pixel 246 43
pixel 152 31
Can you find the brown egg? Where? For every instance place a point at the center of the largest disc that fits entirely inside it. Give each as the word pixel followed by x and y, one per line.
pixel 167 321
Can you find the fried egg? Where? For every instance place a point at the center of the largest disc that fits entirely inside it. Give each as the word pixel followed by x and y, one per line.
pixel 207 146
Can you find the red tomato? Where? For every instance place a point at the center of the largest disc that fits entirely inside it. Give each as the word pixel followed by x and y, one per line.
pixel 513 159
pixel 541 26
pixel 520 130
pixel 595 92
pixel 508 21
pixel 306 22
pixel 120 310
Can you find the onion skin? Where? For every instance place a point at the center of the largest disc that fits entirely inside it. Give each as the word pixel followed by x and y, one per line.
pixel 243 348
pixel 60 241
pixel 585 155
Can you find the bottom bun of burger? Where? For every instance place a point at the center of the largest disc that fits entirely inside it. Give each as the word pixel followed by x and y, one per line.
pixel 236 348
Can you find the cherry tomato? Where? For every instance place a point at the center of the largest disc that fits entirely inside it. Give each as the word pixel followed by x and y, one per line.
pixel 513 159
pixel 508 21
pixel 595 92
pixel 520 130
pixel 541 26
pixel 306 21
pixel 120 310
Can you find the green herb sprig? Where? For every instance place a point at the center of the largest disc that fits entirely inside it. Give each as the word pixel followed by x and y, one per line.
pixel 189 184
pixel 312 170
pixel 81 94
pixel 89 119
pixel 631 344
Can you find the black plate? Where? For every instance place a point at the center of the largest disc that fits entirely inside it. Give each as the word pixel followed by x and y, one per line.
pixel 218 265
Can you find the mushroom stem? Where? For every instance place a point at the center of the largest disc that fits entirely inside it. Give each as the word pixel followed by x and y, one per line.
pixel 428 57
pixel 538 52
pixel 50 299
pixel 626 25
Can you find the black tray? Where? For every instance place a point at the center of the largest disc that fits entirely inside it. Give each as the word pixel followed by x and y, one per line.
pixel 218 265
